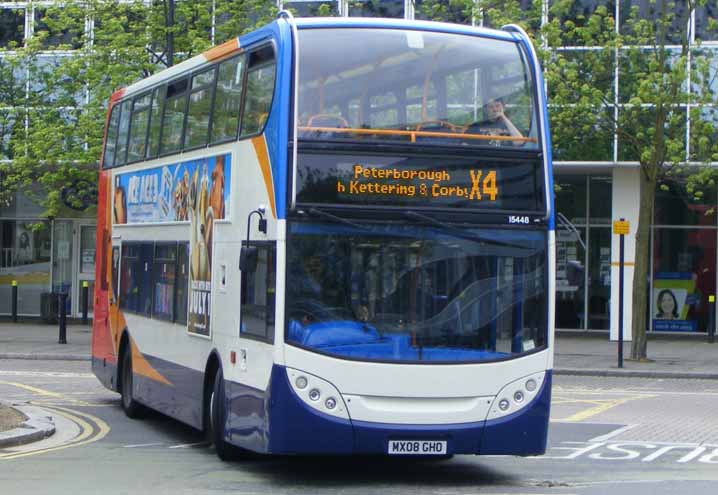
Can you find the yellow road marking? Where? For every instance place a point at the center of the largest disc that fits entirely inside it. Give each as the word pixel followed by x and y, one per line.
pixel 86 435
pixel 34 390
pixel 53 395
pixel 600 407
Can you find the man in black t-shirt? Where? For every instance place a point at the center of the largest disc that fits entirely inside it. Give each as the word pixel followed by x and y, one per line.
pixel 497 124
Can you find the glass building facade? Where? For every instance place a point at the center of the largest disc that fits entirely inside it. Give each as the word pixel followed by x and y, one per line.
pixel 590 175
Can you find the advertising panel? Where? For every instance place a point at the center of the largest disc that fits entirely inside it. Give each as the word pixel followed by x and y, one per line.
pixel 193 192
pixel 673 295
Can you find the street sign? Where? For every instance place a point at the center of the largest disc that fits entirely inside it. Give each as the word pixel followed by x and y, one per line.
pixel 621 227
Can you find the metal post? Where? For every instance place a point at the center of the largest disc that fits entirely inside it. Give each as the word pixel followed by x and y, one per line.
pixel 170 23
pixel 620 300
pixel 711 319
pixel 84 300
pixel 14 301
pixel 63 317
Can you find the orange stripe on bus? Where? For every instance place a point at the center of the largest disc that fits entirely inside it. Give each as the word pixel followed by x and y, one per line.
pixel 141 366
pixel 222 50
pixel 260 148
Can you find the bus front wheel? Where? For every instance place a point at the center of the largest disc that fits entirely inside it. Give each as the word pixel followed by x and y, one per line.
pixel 217 419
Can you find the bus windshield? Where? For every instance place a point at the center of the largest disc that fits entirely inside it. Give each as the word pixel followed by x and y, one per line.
pixel 415 86
pixel 416 294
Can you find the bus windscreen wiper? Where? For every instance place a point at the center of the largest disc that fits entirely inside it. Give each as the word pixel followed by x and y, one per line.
pixel 321 213
pixel 458 232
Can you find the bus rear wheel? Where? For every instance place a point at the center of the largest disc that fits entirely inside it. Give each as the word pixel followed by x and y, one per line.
pixel 132 408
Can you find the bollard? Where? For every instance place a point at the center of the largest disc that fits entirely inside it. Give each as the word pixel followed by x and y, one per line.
pixel 711 319
pixel 63 317
pixel 84 300
pixel 14 301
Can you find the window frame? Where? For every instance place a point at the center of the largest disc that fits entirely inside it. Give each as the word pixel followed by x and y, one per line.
pixel 270 247
pixel 260 46
pixel 160 97
pixel 116 107
pixel 241 101
pixel 161 153
pixel 155 259
pixel 212 87
pixel 148 108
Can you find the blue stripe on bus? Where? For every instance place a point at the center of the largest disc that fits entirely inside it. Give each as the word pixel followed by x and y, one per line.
pixel 548 153
pixel 276 131
pixel 277 421
pixel 297 428
pixel 411 231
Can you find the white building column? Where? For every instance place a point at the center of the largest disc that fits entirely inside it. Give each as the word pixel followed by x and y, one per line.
pixel 625 204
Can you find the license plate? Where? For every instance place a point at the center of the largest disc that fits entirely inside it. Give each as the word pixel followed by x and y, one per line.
pixel 417 447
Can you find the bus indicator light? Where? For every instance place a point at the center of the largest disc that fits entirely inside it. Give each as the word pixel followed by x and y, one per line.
pixel 315 394
pixel 301 382
pixel 331 403
pixel 504 404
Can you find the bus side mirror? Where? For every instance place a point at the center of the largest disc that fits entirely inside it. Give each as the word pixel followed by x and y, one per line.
pixel 248 258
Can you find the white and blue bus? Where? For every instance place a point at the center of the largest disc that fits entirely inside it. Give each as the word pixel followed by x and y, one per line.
pixel 334 236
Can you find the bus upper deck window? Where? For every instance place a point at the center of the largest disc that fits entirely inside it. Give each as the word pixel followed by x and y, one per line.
pixel 173 118
pixel 260 87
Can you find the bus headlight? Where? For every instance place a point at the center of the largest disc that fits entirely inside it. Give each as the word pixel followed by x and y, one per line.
pixel 516 395
pixel 317 393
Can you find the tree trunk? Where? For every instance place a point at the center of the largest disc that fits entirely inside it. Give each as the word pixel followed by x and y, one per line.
pixel 640 276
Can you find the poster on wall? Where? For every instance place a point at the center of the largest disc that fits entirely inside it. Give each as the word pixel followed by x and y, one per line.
pixel 193 192
pixel 24 245
pixel 673 295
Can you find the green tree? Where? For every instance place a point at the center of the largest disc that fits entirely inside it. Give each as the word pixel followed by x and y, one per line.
pixel 53 133
pixel 648 112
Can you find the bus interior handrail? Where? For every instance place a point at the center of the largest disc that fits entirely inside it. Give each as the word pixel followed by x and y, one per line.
pixel 414 134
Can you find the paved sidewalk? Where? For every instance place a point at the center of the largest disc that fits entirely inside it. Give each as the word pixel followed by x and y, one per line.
pixel 40 341
pixel 576 354
pixel 672 357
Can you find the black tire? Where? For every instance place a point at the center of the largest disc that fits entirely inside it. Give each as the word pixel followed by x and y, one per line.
pixel 217 418
pixel 132 408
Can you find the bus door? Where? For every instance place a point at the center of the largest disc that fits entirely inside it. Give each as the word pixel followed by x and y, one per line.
pixel 257 312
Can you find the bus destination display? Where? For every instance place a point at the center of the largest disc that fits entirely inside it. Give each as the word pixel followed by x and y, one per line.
pixel 404 181
pixel 431 183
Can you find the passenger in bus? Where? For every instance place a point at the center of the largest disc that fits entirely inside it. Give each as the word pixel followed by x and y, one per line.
pixel 496 124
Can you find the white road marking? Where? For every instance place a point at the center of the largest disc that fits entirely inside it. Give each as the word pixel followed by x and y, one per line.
pixel 142 445
pixel 608 436
pixel 187 445
pixel 54 374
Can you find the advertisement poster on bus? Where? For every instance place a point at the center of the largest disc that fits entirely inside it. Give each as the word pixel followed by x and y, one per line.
pixel 193 192
pixel 673 296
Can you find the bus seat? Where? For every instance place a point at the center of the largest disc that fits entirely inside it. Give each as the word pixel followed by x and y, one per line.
pixel 327 120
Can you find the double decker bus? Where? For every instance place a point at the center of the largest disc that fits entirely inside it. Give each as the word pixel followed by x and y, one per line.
pixel 334 236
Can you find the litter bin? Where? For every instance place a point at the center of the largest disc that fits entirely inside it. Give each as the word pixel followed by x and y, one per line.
pixel 49 307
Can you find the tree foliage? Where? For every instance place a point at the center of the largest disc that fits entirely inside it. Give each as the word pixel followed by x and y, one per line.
pixel 51 131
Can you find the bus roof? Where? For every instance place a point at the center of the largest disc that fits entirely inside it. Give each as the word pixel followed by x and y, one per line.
pixel 236 44
pixel 376 22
